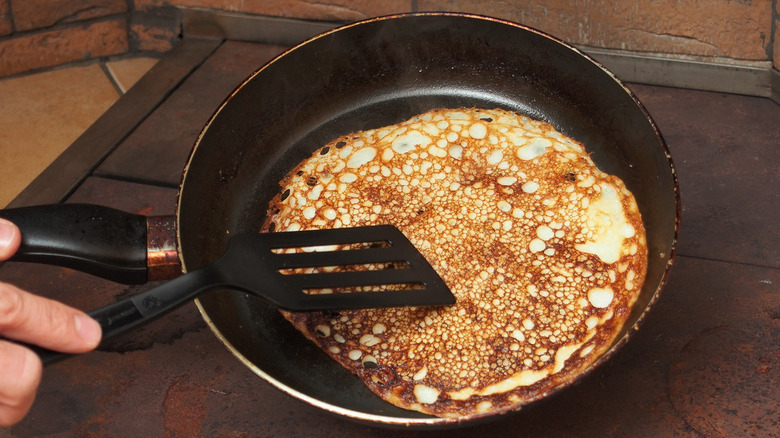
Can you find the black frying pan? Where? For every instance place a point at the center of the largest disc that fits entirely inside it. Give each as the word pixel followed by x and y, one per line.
pixel 371 74
pixel 374 73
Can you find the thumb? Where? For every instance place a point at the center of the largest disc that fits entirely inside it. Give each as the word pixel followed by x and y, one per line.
pixel 10 237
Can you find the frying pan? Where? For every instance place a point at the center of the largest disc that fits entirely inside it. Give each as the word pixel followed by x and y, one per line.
pixel 383 71
pixel 378 72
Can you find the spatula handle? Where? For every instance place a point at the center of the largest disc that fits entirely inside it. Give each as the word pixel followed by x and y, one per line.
pixel 113 319
pixel 139 309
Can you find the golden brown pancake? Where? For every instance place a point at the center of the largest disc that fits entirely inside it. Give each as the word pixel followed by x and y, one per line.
pixel 545 254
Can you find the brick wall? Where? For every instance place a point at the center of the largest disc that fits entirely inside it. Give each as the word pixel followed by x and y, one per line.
pixel 37 34
pixel 328 10
pixel 737 30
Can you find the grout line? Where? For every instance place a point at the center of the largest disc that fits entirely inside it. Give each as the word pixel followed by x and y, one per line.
pixel 112 78
pixel 127 179
pixel 772 43
pixel 732 262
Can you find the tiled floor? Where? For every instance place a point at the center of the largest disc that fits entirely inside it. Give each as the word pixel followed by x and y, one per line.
pixel 41 114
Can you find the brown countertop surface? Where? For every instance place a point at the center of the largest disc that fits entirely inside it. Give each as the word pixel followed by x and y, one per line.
pixel 706 361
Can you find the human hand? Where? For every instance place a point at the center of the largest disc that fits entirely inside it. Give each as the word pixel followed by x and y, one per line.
pixel 36 320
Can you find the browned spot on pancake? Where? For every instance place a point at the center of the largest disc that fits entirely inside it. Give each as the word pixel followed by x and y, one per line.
pixel 544 252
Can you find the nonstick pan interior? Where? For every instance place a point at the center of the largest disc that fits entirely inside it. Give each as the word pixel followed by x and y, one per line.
pixel 375 73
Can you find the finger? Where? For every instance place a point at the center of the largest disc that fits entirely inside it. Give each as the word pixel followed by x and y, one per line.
pixel 50 324
pixel 10 237
pixel 19 380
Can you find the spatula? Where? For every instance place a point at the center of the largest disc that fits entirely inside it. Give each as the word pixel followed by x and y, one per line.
pixel 392 274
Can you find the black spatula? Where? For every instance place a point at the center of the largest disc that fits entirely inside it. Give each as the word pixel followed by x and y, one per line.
pixel 393 274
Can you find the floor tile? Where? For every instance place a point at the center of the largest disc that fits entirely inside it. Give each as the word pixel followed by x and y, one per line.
pixel 127 72
pixel 176 124
pixel 41 115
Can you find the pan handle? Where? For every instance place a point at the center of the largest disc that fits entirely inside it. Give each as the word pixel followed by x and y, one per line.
pixel 94 239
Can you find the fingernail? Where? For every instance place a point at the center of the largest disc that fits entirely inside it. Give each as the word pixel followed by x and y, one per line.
pixel 7 232
pixel 88 329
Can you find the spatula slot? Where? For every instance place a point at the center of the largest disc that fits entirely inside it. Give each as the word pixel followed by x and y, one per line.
pixel 380 266
pixel 367 288
pixel 331 247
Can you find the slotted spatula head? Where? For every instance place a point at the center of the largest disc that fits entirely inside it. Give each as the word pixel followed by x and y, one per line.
pixel 347 268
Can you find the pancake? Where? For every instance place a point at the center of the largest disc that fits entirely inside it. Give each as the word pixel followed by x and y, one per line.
pixel 545 253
